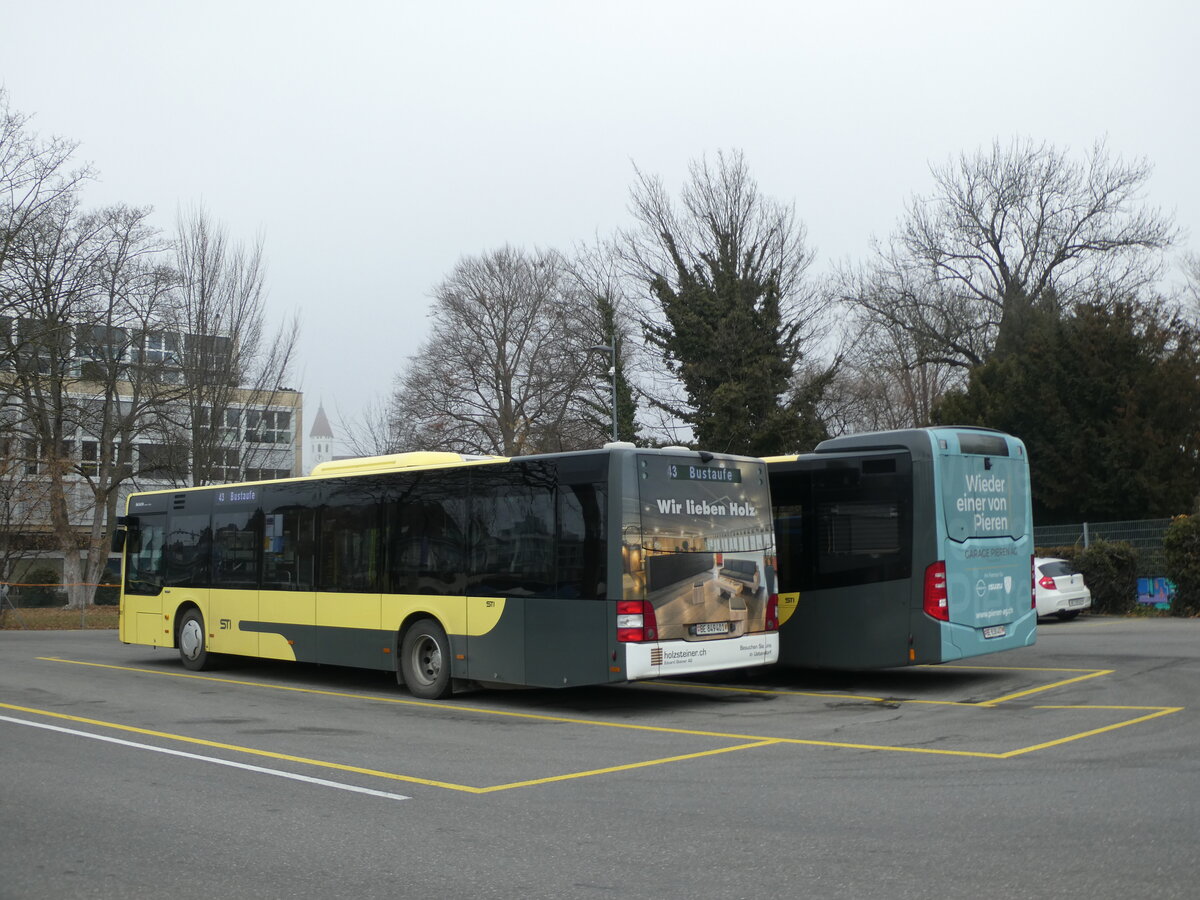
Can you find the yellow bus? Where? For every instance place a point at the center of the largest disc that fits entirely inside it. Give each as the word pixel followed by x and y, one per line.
pixel 554 570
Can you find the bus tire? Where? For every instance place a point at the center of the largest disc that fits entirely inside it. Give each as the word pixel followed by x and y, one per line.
pixel 190 638
pixel 425 661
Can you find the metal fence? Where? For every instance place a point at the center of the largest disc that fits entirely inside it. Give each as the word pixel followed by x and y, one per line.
pixel 1145 535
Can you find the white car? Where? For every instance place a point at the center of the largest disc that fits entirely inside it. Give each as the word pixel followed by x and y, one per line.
pixel 1060 589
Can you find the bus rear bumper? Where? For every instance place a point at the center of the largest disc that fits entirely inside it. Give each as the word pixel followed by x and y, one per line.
pixel 684 657
pixel 960 641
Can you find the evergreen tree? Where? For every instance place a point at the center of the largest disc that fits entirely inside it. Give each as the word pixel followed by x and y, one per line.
pixel 730 316
pixel 1107 400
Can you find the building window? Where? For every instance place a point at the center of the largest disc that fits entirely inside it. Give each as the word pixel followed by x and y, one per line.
pixel 161 348
pixel 225 464
pixel 100 343
pixel 90 459
pixel 209 359
pixel 268 426
pixel 267 474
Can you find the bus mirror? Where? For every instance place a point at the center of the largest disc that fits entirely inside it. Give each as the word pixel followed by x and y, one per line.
pixel 127 540
pixel 127 535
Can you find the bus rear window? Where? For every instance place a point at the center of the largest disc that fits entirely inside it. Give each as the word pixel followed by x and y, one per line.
pixel 982 444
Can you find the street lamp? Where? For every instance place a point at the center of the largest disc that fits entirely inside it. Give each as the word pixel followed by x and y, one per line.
pixel 611 350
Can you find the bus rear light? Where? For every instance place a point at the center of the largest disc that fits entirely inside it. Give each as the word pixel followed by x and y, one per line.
pixel 636 621
pixel 937 600
pixel 772 623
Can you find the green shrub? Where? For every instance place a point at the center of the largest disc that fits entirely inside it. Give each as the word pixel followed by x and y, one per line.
pixel 108 592
pixel 41 587
pixel 1181 546
pixel 1110 570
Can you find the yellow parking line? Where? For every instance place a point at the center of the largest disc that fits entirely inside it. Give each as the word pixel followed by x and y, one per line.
pixel 1046 687
pixel 1089 673
pixel 427 704
pixel 746 741
pixel 252 751
pixel 1006 668
pixel 931 751
pixel 623 768
pixel 1159 712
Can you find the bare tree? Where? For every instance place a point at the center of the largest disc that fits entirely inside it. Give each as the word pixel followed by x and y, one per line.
pixel 83 290
pixel 22 499
pixel 34 177
pixel 33 174
pixel 502 371
pixel 1007 230
pixel 1190 265
pixel 369 432
pixel 236 404
pixel 884 383
pixel 122 389
pixel 595 274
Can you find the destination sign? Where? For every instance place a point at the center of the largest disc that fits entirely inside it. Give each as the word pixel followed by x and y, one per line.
pixel 236 495
pixel 677 472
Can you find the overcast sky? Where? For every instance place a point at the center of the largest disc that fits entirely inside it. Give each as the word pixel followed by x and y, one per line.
pixel 373 144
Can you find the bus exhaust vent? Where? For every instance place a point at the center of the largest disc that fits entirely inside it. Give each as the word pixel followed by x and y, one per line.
pixel 180 501
pixel 656 656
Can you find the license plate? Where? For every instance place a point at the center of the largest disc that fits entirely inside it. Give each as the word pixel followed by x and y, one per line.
pixel 711 628
pixel 994 631
pixel 1076 601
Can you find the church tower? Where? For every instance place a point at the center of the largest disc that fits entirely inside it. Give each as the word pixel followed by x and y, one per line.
pixel 320 440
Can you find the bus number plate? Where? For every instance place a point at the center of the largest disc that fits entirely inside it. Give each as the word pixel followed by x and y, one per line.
pixel 994 631
pixel 711 628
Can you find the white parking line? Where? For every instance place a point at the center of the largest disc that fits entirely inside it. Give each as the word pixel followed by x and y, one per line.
pixel 210 759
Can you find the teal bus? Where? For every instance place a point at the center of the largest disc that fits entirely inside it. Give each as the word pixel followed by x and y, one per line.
pixel 562 569
pixel 905 547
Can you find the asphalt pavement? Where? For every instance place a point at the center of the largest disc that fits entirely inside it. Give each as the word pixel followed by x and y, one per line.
pixel 1067 769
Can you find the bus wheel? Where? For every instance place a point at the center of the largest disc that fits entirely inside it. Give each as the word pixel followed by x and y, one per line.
pixel 425 661
pixel 193 650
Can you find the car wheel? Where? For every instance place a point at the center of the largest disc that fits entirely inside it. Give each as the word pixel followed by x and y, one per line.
pixel 425 661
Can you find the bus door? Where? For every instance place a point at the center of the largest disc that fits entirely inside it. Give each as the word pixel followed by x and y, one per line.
pixel 987 537
pixel 349 578
pixel 237 527
pixel 141 619
pixel 287 601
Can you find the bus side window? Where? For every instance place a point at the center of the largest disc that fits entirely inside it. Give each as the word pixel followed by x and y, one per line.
pixel 237 535
pixel 288 549
pixel 349 540
pixel 425 535
pixel 582 554
pixel 189 551
pixel 513 532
